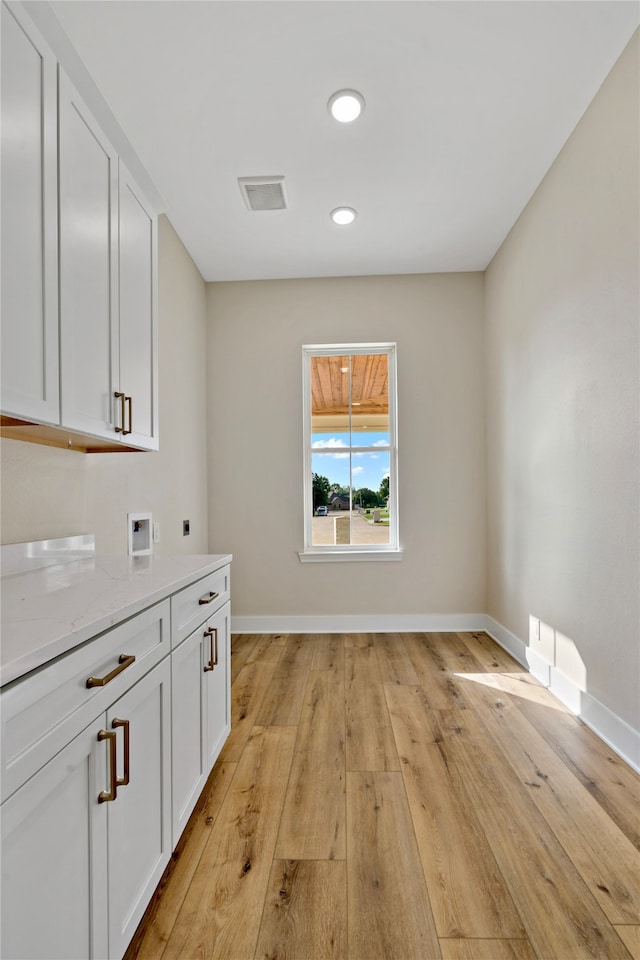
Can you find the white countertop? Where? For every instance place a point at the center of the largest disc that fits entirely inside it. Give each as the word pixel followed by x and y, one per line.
pixel 49 611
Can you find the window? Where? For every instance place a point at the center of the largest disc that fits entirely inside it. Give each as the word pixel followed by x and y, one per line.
pixel 350 452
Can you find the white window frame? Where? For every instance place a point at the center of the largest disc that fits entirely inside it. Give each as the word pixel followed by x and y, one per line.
pixel 353 551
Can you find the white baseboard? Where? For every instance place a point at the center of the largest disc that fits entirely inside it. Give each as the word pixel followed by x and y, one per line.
pixel 507 640
pixel 616 733
pixel 361 623
pixel 611 728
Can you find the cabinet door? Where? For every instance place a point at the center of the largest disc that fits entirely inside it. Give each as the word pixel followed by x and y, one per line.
pixel 88 270
pixel 217 700
pixel 138 325
pixel 29 224
pixel 188 687
pixel 201 704
pixel 54 865
pixel 139 819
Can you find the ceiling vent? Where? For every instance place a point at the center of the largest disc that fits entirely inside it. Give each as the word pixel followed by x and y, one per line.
pixel 263 193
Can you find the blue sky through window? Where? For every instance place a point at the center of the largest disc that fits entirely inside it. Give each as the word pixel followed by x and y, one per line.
pixel 330 458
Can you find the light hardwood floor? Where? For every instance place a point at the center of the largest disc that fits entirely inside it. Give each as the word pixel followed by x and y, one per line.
pixel 401 797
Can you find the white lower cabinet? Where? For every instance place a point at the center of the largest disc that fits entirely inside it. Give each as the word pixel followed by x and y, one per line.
pixel 54 858
pixel 105 752
pixel 217 682
pixel 187 729
pixel 200 711
pixel 81 853
pixel 139 819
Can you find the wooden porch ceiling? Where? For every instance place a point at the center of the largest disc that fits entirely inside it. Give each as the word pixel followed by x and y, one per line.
pixel 369 379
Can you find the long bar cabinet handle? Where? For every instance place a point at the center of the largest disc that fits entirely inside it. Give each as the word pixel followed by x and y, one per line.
pixel 105 795
pixel 128 400
pixel 121 397
pixel 212 633
pixel 208 597
pixel 124 662
pixel 123 781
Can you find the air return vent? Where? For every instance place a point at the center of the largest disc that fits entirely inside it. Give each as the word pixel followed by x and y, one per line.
pixel 263 193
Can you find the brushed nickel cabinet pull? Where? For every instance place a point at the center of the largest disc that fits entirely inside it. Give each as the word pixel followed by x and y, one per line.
pixel 212 633
pixel 121 397
pixel 208 597
pixel 124 662
pixel 106 795
pixel 123 781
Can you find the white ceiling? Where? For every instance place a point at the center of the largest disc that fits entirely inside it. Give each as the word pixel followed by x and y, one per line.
pixel 468 104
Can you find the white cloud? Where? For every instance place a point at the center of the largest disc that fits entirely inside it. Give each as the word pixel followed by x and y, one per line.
pixel 325 444
pixel 381 443
pixel 333 444
pixel 357 470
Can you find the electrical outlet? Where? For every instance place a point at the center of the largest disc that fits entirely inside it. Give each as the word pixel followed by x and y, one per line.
pixel 185 528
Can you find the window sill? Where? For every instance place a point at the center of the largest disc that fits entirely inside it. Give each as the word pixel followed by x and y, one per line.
pixel 349 556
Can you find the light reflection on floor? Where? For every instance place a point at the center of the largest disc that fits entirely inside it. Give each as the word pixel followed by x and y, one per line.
pixel 518 684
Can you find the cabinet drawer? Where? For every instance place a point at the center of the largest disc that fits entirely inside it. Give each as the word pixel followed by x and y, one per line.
pixel 44 711
pixel 196 603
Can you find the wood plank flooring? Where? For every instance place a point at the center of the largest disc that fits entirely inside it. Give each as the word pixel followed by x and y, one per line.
pixel 401 797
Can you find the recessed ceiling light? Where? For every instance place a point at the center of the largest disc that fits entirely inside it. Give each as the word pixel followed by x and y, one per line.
pixel 346 105
pixel 343 215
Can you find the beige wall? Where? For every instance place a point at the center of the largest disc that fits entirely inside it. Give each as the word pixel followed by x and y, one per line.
pixel 562 405
pixel 48 492
pixel 255 427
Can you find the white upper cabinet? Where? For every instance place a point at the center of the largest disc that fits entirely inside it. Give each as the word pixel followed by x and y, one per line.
pixel 29 224
pixel 108 239
pixel 88 269
pixel 79 264
pixel 138 238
